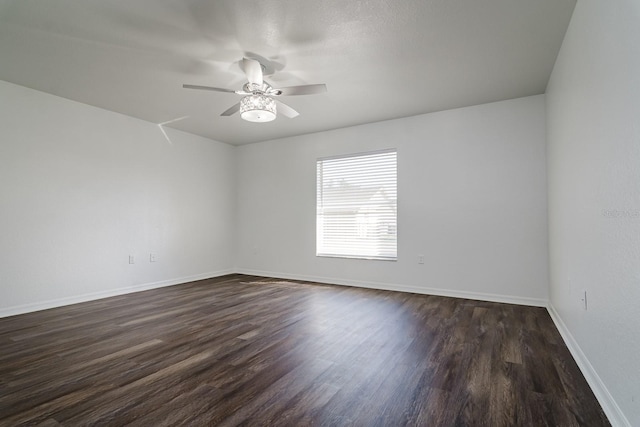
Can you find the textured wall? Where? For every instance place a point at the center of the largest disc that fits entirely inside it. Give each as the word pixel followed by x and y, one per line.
pixel 593 106
pixel 82 188
pixel 471 198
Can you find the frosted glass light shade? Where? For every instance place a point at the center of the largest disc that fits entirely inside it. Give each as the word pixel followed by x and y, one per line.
pixel 257 108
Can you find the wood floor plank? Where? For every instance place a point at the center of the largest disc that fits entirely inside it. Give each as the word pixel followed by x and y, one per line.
pixel 244 350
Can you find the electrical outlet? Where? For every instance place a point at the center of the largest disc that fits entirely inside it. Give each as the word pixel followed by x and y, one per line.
pixel 131 259
pixel 153 257
pixel 420 259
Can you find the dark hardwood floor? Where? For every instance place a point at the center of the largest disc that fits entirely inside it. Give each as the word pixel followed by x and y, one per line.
pixel 242 350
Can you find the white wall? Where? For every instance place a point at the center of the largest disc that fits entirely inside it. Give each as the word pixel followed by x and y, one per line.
pixel 593 106
pixel 471 198
pixel 82 188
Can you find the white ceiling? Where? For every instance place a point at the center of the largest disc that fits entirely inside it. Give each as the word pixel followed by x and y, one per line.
pixel 380 59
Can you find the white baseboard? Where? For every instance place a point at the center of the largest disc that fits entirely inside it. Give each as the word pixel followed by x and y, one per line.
pixel 535 302
pixel 59 302
pixel 609 405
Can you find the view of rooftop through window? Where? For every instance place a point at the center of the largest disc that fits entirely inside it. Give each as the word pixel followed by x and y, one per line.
pixel 357 206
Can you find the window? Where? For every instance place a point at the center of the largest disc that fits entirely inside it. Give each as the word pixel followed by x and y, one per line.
pixel 357 206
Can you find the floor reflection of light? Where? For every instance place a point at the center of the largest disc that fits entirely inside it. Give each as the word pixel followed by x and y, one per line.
pixel 341 324
pixel 354 336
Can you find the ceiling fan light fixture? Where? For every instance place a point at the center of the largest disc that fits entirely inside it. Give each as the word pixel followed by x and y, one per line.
pixel 258 108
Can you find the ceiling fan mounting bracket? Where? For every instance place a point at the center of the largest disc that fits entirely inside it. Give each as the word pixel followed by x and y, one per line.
pixel 267 69
pixel 255 88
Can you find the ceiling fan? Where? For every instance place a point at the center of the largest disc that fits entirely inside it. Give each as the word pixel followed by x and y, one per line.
pixel 258 103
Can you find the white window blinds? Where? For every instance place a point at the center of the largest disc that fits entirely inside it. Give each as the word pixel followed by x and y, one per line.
pixel 357 206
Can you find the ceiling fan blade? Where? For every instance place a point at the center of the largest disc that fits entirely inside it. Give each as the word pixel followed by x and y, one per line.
pixel 302 90
pixel 253 70
pixel 217 89
pixel 286 110
pixel 232 110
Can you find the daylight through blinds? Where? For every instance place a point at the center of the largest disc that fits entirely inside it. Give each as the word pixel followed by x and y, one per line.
pixel 357 206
